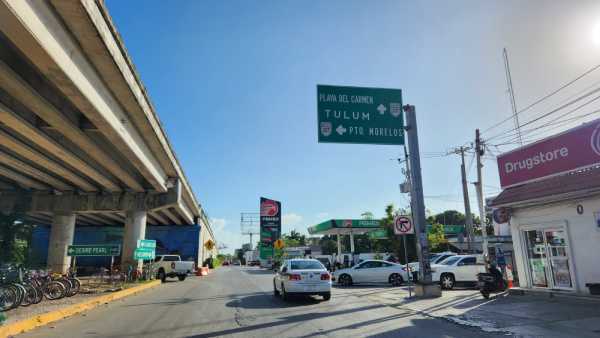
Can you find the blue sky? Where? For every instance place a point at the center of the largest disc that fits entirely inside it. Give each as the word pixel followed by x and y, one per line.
pixel 234 84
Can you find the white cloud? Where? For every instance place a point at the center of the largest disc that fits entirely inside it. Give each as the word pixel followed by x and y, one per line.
pixel 218 224
pixel 291 219
pixel 226 235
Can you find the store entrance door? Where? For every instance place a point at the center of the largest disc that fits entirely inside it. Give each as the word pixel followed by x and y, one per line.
pixel 548 258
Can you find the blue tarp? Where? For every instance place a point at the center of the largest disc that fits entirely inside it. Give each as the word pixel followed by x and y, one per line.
pixel 182 240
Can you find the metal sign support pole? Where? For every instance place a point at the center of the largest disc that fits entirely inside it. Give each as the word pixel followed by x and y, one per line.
pixel 407 267
pixel 425 287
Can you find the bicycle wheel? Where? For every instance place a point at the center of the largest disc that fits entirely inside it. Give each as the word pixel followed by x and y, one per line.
pixel 54 290
pixel 20 291
pixel 8 298
pixel 75 286
pixel 69 286
pixel 39 293
pixel 30 295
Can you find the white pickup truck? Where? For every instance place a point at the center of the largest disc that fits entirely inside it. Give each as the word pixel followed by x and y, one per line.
pixel 171 266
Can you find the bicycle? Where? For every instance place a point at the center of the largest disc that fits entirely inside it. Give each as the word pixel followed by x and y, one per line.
pixel 51 289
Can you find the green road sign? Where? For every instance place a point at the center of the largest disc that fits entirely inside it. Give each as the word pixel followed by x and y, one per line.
pixel 146 243
pixel 360 115
pixel 265 251
pixel 378 234
pixel 144 253
pixel 94 250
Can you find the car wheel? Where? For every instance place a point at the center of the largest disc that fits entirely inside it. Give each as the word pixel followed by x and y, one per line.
pixel 275 291
pixel 284 294
pixel 345 280
pixel 327 296
pixel 395 279
pixel 181 278
pixel 447 281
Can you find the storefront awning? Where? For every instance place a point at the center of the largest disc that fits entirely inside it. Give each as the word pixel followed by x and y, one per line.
pixel 345 226
pixel 571 185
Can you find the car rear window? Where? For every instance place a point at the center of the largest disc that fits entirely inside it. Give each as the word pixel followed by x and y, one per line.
pixel 170 258
pixel 450 261
pixel 306 265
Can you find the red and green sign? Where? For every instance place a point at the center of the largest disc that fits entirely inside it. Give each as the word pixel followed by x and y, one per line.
pixel 270 226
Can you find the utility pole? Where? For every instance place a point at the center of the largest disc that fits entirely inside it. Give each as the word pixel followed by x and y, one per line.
pixel 425 287
pixel 479 150
pixel 468 216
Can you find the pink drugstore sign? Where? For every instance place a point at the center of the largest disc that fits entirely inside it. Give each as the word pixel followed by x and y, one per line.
pixel 574 149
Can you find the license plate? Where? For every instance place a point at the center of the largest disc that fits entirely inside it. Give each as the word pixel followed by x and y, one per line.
pixel 310 289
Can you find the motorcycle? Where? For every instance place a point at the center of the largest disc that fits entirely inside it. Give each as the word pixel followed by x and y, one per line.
pixel 490 283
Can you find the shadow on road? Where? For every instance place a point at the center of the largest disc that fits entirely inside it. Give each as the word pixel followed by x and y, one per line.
pixel 259 272
pixel 268 301
pixel 184 300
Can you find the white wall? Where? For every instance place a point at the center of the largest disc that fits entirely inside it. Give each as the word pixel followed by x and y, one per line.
pixel 583 236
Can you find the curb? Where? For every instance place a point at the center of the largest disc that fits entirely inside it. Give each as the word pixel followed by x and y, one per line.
pixel 52 316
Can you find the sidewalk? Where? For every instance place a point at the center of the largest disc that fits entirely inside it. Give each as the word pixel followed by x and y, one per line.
pixel 527 316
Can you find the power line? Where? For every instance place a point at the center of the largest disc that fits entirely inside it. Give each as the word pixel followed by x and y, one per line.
pixel 553 111
pixel 555 123
pixel 547 96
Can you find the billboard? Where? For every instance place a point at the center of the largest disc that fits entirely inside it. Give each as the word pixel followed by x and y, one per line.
pixel 270 225
pixel 573 149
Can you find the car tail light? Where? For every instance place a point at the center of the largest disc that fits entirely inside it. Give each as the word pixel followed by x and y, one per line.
pixel 173 265
pixel 294 276
pixel 325 276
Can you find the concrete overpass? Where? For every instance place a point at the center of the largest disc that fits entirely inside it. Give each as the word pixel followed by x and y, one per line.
pixel 80 141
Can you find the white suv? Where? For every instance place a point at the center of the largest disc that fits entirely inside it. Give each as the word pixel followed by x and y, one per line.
pixel 457 269
pixel 302 277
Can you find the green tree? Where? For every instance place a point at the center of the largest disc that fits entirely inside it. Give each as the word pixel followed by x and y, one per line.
pixel 294 239
pixel 328 245
pixel 15 238
pixel 437 239
pixel 448 217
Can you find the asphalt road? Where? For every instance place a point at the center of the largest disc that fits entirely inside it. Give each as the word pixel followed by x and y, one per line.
pixel 239 301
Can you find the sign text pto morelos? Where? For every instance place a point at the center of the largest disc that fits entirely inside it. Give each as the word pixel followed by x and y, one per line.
pixel 360 115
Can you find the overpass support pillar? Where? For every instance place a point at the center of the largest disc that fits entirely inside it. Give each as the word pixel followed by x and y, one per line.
pixel 135 228
pixel 61 236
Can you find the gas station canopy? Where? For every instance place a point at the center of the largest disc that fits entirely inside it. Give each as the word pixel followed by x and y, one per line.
pixel 345 227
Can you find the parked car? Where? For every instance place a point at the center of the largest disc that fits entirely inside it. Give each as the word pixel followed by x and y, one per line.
pixel 457 269
pixel 372 271
pixel 225 263
pixel 326 260
pixel 435 258
pixel 171 266
pixel 236 262
pixel 302 277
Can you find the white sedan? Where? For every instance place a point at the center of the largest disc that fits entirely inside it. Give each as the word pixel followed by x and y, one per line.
pixel 372 271
pixel 302 277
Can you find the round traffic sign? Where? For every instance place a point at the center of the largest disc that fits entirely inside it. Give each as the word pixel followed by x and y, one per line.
pixel 279 244
pixel 403 225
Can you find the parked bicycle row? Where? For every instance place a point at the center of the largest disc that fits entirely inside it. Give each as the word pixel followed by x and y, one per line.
pixel 21 287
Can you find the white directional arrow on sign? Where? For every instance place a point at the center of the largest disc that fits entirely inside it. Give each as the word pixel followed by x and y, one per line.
pixel 340 130
pixel 381 108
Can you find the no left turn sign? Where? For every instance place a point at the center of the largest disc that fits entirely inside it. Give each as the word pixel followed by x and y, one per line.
pixel 403 225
